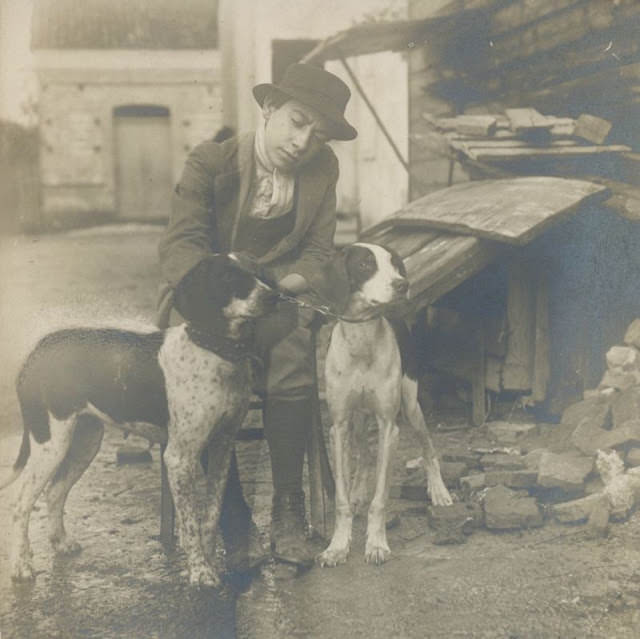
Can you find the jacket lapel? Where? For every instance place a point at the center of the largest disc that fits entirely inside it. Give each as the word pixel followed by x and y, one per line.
pixel 231 189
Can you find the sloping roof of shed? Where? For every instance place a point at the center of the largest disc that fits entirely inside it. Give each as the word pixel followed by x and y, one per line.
pixel 124 24
pixel 514 211
pixel 450 235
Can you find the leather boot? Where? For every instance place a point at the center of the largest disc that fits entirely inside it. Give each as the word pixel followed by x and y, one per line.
pixel 286 424
pixel 244 551
pixel 289 530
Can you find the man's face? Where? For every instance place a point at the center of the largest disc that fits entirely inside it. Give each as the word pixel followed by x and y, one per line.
pixel 294 134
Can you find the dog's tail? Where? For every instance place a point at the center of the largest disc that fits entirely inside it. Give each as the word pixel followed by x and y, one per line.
pixel 35 418
pixel 19 464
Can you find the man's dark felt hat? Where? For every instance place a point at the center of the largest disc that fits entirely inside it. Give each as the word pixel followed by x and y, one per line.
pixel 316 88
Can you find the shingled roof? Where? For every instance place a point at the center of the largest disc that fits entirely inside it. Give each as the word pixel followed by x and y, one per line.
pixel 125 24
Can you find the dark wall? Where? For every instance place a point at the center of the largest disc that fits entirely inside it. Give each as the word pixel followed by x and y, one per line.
pixel 593 262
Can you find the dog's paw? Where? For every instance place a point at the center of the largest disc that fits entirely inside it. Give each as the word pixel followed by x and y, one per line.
pixel 332 557
pixel 376 553
pixel 203 576
pixel 66 547
pixel 439 494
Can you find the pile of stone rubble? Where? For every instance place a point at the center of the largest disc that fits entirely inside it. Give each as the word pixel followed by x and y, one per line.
pixel 591 473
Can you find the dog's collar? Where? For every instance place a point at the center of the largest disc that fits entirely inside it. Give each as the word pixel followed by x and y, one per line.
pixel 233 350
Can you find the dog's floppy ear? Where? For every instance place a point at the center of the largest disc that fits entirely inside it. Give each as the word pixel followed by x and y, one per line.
pixel 332 283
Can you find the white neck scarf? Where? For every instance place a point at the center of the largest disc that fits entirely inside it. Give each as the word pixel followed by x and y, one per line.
pixel 274 189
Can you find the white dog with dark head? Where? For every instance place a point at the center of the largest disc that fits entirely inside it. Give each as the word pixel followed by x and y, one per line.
pixel 372 369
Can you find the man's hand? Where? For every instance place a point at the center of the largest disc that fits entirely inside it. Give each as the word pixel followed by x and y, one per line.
pixel 293 284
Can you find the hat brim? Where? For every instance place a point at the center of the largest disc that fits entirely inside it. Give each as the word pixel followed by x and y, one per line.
pixel 340 128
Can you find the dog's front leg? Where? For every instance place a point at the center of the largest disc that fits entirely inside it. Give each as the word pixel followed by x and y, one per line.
pixel 182 458
pixel 359 492
pixel 219 457
pixel 377 549
pixel 338 550
pixel 436 488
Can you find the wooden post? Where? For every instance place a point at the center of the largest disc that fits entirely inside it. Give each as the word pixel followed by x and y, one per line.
pixel 478 386
pixel 521 317
pixel 541 365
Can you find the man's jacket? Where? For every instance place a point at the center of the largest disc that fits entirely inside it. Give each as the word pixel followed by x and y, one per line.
pixel 213 192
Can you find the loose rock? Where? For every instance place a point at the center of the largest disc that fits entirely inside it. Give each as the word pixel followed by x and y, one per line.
pixel 566 471
pixel 506 509
pixel 509 433
pixel 632 336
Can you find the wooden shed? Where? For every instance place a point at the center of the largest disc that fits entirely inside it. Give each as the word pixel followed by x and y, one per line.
pixel 522 239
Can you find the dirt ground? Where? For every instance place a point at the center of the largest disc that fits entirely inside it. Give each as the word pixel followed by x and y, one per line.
pixel 552 582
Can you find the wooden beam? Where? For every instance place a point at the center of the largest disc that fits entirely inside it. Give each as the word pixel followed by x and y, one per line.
pixel 483 154
pixel 541 361
pixel 592 129
pixel 526 118
pixel 518 366
pixel 374 113
pixel 478 384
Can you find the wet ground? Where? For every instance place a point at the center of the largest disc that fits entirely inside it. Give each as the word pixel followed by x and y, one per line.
pixel 552 582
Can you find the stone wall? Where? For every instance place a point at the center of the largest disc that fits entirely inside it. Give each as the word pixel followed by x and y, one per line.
pixel 77 150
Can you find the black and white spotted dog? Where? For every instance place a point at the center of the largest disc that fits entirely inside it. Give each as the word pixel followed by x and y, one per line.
pixel 371 368
pixel 188 385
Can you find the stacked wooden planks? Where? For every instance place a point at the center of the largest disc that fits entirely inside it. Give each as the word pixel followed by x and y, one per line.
pixel 524 133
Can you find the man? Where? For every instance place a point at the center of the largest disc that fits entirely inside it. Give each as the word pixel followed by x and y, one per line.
pixel 270 194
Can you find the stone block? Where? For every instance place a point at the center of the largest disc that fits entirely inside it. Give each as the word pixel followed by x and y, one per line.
pixel 620 379
pixel 506 509
pixel 598 394
pixel 575 511
pixel 511 478
pixel 532 458
pixel 461 455
pixel 593 485
pixel 625 357
pixel 592 410
pixel 592 420
pixel 452 472
pixel 453 523
pixel 133 455
pixel 502 461
pixel 510 433
pixel 625 406
pixel 566 471
pixel 472 484
pixel 598 525
pixel 624 436
pixel 632 336
pixel 633 458
pixel 623 493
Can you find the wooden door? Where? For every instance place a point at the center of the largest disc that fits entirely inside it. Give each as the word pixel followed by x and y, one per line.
pixel 144 180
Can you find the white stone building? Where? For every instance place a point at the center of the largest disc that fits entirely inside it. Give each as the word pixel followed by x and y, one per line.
pixel 126 89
